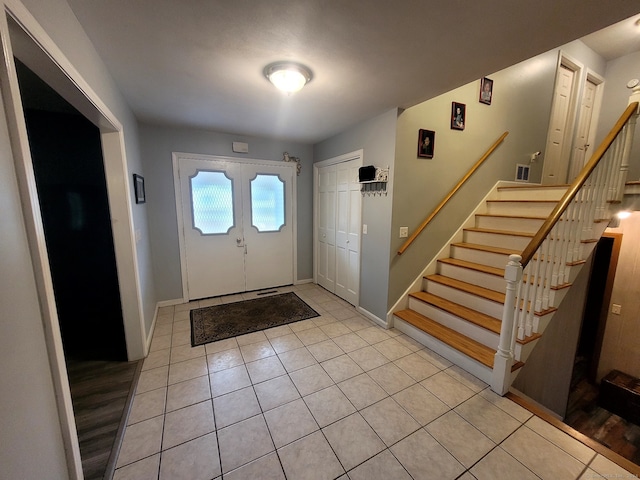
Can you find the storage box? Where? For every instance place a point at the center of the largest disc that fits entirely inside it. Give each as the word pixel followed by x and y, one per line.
pixel 620 394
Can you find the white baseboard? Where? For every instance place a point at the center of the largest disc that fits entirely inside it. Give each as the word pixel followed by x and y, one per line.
pixel 373 318
pixel 301 282
pixel 170 303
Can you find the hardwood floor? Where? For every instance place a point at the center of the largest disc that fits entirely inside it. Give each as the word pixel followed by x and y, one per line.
pixel 584 415
pixel 100 391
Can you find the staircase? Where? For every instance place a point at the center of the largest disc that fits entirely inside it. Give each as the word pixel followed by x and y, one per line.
pixel 458 312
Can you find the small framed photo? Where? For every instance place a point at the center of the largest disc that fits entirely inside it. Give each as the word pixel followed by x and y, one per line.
pixel 426 143
pixel 138 186
pixel 458 115
pixel 486 90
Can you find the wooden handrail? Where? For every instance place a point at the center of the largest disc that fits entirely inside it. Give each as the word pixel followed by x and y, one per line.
pixel 435 212
pixel 576 185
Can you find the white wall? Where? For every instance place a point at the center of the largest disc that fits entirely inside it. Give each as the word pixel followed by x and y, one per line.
pixel 377 138
pixel 616 99
pixel 30 434
pixel 157 144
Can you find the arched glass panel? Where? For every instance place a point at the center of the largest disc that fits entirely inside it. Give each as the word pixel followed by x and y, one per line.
pixel 212 202
pixel 267 203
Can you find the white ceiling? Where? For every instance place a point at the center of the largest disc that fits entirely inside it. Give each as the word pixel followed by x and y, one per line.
pixel 199 63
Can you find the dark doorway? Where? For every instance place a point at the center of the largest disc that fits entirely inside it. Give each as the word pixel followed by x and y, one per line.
pixel 70 179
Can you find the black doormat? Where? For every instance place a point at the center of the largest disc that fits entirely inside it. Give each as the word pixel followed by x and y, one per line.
pixel 218 322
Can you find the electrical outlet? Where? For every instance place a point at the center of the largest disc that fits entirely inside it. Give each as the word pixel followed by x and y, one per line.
pixel 404 232
pixel 616 309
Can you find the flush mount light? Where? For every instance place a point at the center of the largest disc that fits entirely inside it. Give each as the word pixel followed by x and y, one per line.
pixel 288 76
pixel 624 214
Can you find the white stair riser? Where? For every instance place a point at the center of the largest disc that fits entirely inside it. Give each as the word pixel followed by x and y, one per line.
pixel 468 300
pixel 474 277
pixel 490 259
pixel 474 368
pixel 536 209
pixel 524 350
pixel 514 224
pixel 471 330
pixel 545 193
pixel 496 240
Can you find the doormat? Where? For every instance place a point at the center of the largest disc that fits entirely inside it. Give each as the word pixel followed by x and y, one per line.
pixel 210 324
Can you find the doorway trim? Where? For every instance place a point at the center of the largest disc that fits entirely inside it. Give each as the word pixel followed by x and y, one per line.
pixel 176 157
pixel 59 72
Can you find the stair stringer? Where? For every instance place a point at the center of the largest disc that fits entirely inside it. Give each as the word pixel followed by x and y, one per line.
pixel 432 265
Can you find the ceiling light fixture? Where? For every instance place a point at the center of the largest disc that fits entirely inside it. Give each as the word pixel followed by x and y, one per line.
pixel 288 76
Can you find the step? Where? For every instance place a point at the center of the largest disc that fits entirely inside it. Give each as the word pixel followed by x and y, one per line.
pixel 527 192
pixel 483 254
pixel 476 325
pixel 484 300
pixel 471 272
pixel 497 238
pixel 529 224
pixel 537 208
pixel 460 342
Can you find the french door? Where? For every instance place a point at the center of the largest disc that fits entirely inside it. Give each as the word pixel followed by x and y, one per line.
pixel 236 224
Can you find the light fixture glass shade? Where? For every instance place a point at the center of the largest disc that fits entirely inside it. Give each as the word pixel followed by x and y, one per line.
pixel 288 77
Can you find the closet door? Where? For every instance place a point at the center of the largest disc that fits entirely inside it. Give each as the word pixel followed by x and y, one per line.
pixel 326 240
pixel 338 229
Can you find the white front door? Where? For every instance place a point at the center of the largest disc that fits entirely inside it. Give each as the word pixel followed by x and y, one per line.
pixel 236 223
pixel 338 219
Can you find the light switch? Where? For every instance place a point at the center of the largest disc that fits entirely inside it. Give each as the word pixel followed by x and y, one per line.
pixel 364 228
pixel 404 232
pixel 616 309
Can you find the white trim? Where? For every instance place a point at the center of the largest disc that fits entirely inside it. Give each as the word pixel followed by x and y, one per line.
pixel 114 158
pixel 373 318
pixel 177 156
pixel 303 281
pixel 346 157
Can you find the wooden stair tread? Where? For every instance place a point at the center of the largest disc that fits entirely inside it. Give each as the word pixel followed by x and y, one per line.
pixel 460 342
pixel 522 201
pixel 477 318
pixel 532 186
pixel 523 217
pixel 487 248
pixel 473 266
pixel 467 287
pixel 499 232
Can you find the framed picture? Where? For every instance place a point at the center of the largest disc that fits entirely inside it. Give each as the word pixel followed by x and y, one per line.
pixel 486 90
pixel 426 143
pixel 458 113
pixel 138 186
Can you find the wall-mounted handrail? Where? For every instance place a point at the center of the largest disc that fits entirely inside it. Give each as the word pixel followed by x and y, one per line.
pixel 446 199
pixel 576 185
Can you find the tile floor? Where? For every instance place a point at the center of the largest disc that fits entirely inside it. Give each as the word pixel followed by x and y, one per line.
pixel 330 397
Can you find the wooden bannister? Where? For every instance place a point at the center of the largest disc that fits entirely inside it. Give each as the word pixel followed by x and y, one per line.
pixel 446 199
pixel 576 185
pixel 559 245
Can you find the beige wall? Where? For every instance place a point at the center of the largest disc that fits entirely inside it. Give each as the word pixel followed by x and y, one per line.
pixel 621 343
pixel 521 104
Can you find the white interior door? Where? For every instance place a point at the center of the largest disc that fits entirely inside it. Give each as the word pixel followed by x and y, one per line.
pixel 556 160
pixel 348 231
pixel 236 223
pixel 338 220
pixel 326 235
pixel 582 145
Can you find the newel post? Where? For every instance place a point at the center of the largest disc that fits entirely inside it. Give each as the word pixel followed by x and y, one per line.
pixel 503 360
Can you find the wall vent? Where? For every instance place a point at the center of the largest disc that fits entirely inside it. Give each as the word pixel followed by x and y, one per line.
pixel 522 173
